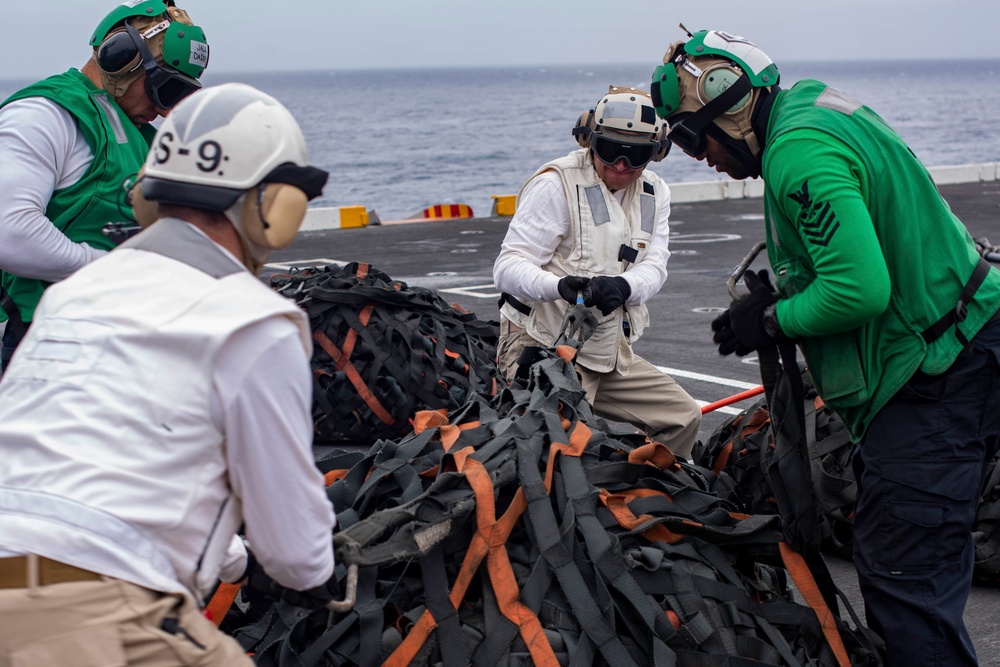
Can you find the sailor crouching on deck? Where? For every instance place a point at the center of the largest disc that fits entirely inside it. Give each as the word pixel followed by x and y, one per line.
pixel 594 224
pixel 160 400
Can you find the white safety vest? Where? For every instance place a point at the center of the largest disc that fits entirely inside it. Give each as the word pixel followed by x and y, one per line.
pixel 123 471
pixel 599 231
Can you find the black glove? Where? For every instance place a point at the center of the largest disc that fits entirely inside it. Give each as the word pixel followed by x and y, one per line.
pixel 570 287
pixel 313 598
pixel 259 580
pixel 741 329
pixel 606 293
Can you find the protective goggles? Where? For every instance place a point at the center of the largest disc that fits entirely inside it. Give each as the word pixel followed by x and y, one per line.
pixel 609 151
pixel 124 51
pixel 688 130
pixel 167 87
pixel 691 141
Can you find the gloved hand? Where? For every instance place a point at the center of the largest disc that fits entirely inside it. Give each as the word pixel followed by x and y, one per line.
pixel 606 293
pixel 313 598
pixel 259 580
pixel 741 328
pixel 570 286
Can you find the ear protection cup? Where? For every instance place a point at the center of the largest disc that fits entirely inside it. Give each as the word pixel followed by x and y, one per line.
pixel 715 80
pixel 118 53
pixel 584 126
pixel 664 143
pixel 146 212
pixel 119 61
pixel 273 213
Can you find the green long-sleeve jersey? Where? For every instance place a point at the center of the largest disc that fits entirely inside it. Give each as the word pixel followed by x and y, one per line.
pixel 866 253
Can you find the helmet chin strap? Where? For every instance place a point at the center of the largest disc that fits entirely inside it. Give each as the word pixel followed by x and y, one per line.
pixel 738 148
pixel 254 256
pixel 750 156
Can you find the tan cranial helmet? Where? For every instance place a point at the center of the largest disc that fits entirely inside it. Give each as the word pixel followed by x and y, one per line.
pixel 713 78
pixel 625 116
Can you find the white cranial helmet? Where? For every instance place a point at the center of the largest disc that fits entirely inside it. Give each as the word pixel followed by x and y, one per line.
pixel 235 149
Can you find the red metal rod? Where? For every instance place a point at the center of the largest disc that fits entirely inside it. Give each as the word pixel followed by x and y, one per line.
pixel 756 391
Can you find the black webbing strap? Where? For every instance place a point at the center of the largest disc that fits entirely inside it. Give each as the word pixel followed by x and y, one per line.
pixel 449 631
pixel 546 533
pixel 517 305
pixel 961 311
pixel 607 559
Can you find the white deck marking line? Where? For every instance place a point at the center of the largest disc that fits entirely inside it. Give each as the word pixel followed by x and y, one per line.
pixel 305 262
pixel 729 410
pixel 736 384
pixel 676 372
pixel 467 291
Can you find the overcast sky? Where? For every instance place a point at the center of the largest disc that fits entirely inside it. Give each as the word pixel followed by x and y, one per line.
pixel 47 36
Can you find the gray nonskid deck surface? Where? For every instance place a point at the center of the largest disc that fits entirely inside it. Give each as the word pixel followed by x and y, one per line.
pixel 708 240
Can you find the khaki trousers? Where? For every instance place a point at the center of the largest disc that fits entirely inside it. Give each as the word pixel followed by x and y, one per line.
pixel 108 623
pixel 646 397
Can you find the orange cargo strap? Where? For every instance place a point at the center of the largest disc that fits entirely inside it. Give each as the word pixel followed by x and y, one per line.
pixel 343 363
pixel 807 586
pixel 617 504
pixel 333 475
pixel 221 601
pixel 488 542
pixel 448 433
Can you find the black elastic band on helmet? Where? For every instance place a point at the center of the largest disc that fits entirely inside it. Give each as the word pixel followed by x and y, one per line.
pixel 308 179
pixel 188 194
pixel 688 132
pixel 738 148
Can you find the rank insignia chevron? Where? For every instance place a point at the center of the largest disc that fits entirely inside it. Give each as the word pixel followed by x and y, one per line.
pixel 818 221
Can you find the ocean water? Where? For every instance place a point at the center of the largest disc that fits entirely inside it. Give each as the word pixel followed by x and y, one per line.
pixel 401 140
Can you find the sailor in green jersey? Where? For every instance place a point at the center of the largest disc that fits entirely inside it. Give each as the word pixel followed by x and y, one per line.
pixel 69 142
pixel 895 312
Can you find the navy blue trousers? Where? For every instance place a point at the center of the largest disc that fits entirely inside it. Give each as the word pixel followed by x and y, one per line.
pixel 920 470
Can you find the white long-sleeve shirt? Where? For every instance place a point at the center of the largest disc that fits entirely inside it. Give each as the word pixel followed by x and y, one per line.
pixel 42 151
pixel 85 480
pixel 539 229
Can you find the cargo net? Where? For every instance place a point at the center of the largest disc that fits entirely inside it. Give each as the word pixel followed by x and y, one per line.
pixel 384 350
pixel 740 451
pixel 523 529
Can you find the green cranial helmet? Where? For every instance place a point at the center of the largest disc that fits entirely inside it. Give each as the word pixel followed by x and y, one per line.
pixel 125 11
pixel 712 83
pixel 161 30
pixel 666 89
